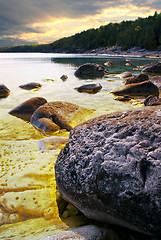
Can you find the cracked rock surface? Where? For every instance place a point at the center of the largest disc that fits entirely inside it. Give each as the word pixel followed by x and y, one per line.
pixel 110 169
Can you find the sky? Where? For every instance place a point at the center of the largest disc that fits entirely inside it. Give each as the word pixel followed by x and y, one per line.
pixel 44 21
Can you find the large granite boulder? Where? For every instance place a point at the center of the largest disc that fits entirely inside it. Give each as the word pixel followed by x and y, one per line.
pixel 90 70
pixel 27 108
pixel 145 88
pixel 153 68
pixel 110 169
pixel 57 115
pixel 4 91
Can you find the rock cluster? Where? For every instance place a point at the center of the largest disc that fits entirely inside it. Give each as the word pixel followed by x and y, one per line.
pixel 110 169
pixel 90 70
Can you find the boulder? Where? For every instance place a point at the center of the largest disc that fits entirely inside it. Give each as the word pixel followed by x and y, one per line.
pixel 27 108
pixel 89 88
pixel 56 115
pixel 90 70
pixel 4 91
pixel 145 88
pixel 136 79
pixel 153 68
pixel 30 86
pixel 156 80
pixel 111 166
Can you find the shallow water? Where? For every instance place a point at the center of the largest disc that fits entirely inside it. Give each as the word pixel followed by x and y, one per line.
pixel 23 168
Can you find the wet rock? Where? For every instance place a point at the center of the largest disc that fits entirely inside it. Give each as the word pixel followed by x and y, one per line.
pixel 136 79
pixel 123 98
pixel 50 143
pixel 30 86
pixel 108 63
pixel 64 77
pixel 145 88
pixel 4 91
pixel 153 68
pixel 125 75
pixel 56 115
pixel 90 70
pixel 152 101
pixel 156 80
pixel 89 88
pixel 27 108
pixel 110 169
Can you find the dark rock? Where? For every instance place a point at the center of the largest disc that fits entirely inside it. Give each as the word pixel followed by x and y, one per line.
pixel 136 79
pixel 89 88
pixel 64 77
pixel 30 86
pixel 145 88
pixel 55 115
pixel 110 169
pixel 153 68
pixel 156 80
pixel 90 70
pixel 27 108
pixel 123 98
pixel 152 101
pixel 4 91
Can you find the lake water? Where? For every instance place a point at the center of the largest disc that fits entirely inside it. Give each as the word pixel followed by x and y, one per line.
pixel 25 172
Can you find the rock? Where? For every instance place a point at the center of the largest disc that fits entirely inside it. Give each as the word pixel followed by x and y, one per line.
pixel 64 77
pixel 123 98
pixel 152 101
pixel 136 79
pixel 30 86
pixel 153 68
pixel 156 80
pixel 56 115
pixel 145 88
pixel 125 75
pixel 90 232
pixel 89 88
pixel 50 143
pixel 110 169
pixel 90 70
pixel 27 108
pixel 108 63
pixel 4 91
pixel 128 64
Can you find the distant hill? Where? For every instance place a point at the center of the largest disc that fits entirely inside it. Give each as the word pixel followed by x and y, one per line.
pixel 143 33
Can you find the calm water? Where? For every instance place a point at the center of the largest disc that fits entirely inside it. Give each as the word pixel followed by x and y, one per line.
pixel 24 170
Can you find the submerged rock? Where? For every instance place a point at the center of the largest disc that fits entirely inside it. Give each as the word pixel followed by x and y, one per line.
pixel 89 88
pixel 30 86
pixel 125 75
pixel 91 70
pixel 110 169
pixel 27 108
pixel 4 91
pixel 56 115
pixel 145 88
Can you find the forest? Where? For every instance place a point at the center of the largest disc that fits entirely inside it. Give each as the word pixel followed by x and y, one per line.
pixel 143 32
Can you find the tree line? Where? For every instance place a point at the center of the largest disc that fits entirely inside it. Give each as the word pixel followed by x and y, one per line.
pixel 143 33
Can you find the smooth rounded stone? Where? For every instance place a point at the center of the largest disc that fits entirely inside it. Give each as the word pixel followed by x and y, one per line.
pixel 27 108
pixel 90 232
pixel 152 101
pixel 30 86
pixel 123 98
pixel 153 68
pixel 50 143
pixel 56 115
pixel 145 88
pixel 156 80
pixel 4 91
pixel 111 166
pixel 125 75
pixel 89 88
pixel 136 79
pixel 108 63
pixel 90 70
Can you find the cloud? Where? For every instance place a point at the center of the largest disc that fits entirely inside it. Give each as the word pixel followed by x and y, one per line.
pixel 48 20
